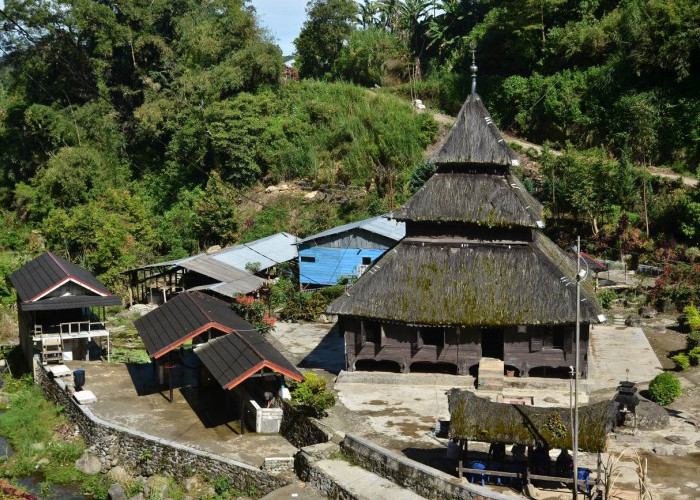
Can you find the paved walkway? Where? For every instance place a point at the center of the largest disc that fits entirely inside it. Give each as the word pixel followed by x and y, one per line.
pixel 616 350
pixel 362 483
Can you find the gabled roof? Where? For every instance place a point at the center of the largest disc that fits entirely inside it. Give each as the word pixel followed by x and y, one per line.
pixel 233 358
pixel 474 139
pixel 239 281
pixel 593 264
pixel 184 317
pixel 49 272
pixel 380 225
pixel 268 251
pixel 484 199
pixel 452 283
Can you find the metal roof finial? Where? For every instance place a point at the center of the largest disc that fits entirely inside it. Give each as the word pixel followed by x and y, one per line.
pixel 473 67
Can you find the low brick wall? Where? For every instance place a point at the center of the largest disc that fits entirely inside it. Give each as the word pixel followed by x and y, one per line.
pixel 145 454
pixel 299 429
pixel 412 475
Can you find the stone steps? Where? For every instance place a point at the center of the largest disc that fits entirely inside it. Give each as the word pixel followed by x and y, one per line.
pixel 490 375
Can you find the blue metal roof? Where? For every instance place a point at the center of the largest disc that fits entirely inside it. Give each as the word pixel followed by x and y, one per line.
pixel 380 225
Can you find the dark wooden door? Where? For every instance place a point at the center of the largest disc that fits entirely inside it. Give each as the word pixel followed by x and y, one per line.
pixel 492 343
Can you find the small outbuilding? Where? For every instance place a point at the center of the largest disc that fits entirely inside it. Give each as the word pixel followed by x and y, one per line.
pixel 240 269
pixel 347 250
pixel 60 310
pixel 229 351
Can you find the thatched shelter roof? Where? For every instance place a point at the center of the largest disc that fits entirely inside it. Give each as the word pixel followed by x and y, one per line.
pixel 477 419
pixel 446 282
pixel 474 138
pixel 484 199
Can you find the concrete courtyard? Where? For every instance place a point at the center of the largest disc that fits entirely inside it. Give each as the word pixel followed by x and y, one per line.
pixel 126 395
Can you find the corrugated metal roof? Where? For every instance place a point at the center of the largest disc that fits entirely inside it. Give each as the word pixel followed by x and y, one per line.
pixel 232 278
pixel 380 225
pixel 268 251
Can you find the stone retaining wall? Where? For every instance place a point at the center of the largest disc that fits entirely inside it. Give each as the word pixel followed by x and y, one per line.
pixel 304 466
pixel 299 429
pixel 412 475
pixel 146 454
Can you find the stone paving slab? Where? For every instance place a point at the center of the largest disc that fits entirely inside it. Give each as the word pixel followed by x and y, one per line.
pixel 362 483
pixel 615 350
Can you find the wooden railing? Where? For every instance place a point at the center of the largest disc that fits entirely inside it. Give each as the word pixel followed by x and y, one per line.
pixel 68 328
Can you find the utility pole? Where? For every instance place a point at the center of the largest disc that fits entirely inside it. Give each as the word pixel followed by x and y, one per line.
pixel 576 362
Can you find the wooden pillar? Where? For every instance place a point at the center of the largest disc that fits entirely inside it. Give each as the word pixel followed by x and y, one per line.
pixel 242 393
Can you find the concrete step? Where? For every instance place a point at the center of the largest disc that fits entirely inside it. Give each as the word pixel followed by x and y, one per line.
pixel 490 375
pixel 361 483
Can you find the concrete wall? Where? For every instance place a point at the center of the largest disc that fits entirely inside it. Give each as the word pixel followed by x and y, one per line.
pixel 412 475
pixel 145 454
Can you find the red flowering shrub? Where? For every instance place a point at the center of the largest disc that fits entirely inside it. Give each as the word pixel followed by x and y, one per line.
pixel 679 283
pixel 254 312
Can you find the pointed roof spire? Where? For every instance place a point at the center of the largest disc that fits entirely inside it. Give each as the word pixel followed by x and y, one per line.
pixel 474 68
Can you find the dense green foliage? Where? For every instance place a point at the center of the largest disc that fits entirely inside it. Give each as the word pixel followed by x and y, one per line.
pixel 664 388
pixel 133 130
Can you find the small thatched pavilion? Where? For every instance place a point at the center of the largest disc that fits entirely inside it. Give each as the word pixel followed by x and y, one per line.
pixel 474 276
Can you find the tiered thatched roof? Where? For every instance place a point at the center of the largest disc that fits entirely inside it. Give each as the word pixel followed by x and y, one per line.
pixel 474 139
pixel 439 283
pixel 484 199
pixel 473 254
pixel 478 419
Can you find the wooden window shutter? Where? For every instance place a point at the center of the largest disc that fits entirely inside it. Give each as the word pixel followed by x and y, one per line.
pixel 536 342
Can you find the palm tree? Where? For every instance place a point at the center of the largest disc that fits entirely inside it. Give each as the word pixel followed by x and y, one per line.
pixel 389 14
pixel 368 14
pixel 414 17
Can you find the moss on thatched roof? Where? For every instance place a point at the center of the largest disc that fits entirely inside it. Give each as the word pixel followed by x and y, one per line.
pixel 478 419
pixel 444 282
pixel 474 138
pixel 485 199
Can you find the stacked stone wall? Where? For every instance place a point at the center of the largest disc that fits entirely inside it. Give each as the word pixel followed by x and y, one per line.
pixel 143 454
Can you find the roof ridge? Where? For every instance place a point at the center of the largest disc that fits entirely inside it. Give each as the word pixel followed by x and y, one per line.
pixel 262 358
pixel 189 296
pixel 55 259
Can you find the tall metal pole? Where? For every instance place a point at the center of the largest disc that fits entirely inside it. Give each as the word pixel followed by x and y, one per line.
pixel 576 362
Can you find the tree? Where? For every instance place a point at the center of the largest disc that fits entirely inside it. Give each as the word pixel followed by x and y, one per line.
pixel 328 26
pixel 368 54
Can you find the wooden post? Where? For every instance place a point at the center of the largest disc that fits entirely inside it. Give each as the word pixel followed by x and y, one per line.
pixel 242 392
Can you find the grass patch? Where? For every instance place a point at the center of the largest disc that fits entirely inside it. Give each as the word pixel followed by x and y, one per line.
pixel 35 429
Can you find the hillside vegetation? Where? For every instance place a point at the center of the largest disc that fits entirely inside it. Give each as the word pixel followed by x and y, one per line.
pixel 136 130
pixel 132 130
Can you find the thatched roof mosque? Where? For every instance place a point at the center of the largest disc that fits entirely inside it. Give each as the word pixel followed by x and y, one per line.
pixel 477 419
pixel 474 253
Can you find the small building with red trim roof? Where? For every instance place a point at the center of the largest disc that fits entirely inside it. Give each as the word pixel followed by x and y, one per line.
pixel 229 351
pixel 61 310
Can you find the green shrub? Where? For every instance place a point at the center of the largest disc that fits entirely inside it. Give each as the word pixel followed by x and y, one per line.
pixel 694 356
pixel 682 361
pixel 664 388
pixel 692 340
pixel 307 307
pixel 605 297
pixel 690 320
pixel 311 395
